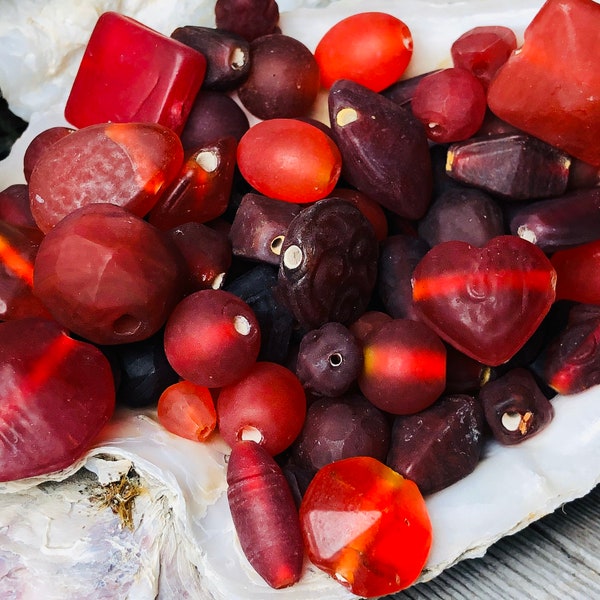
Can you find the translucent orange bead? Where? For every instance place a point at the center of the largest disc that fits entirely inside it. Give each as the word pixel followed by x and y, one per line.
pixel 366 525
pixel 187 410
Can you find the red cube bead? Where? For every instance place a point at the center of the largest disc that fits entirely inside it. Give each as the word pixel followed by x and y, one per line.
pixel 130 72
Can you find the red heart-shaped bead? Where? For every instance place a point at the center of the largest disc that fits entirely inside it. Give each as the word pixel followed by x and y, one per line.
pixel 486 302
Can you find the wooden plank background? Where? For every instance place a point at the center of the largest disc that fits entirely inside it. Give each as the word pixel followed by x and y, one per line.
pixel 557 557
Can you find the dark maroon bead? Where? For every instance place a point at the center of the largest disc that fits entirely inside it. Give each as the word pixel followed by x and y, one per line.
pixel 284 78
pixel 514 406
pixel 247 18
pixel 259 227
pixel 384 148
pixel 227 55
pixel 329 360
pixel 207 253
pixel 571 362
pixel 561 222
pixel 214 115
pixel 15 206
pixel 399 255
pixel 328 264
pixel 337 428
pixel 439 445
pixel 514 166
pixel 468 215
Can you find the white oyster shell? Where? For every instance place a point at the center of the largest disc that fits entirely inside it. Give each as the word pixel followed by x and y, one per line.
pixel 57 542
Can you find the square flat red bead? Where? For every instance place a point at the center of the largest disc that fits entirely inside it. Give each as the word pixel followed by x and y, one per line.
pixel 131 73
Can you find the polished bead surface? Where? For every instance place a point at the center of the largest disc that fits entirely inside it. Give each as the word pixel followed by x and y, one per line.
pixel 130 72
pixel 366 526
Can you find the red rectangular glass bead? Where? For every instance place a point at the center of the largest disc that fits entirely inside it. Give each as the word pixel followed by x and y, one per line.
pixel 131 73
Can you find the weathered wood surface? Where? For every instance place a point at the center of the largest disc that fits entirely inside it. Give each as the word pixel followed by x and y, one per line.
pixel 557 557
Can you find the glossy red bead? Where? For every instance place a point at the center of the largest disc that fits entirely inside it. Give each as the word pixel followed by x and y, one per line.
pixel 130 72
pixel 187 410
pixel 56 395
pixel 366 526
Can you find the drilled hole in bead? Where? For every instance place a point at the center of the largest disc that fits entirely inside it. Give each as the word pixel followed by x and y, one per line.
pixel 345 116
pixel 126 325
pixel 218 281
pixel 511 421
pixel 276 244
pixel 527 234
pixel 208 160
pixel 238 59
pixel 336 359
pixel 241 325
pixel 250 434
pixel 292 257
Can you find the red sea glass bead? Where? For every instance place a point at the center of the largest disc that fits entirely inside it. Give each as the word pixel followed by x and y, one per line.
pixel 550 88
pixel 366 525
pixel 404 367
pixel 264 514
pixel 18 247
pixel 108 275
pixel 201 190
pixel 371 48
pixel 212 338
pixel 483 50
pixel 39 144
pixel 131 73
pixel 486 302
pixel 127 164
pixel 187 410
pixel 450 103
pixel 289 159
pixel 268 406
pixel 578 273
pixel 56 395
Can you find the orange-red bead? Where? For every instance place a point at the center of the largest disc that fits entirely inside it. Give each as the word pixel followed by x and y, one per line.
pixel 366 525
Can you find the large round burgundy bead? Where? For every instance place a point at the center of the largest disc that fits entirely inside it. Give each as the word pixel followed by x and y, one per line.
pixel 108 275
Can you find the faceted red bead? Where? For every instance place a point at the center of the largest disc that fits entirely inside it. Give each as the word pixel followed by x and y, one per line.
pixel 187 410
pixel 127 164
pixel 201 190
pixel 18 248
pixel 551 87
pixel 130 72
pixel 108 275
pixel 366 525
pixel 56 395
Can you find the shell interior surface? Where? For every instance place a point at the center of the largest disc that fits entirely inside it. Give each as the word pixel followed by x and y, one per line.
pixel 144 513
